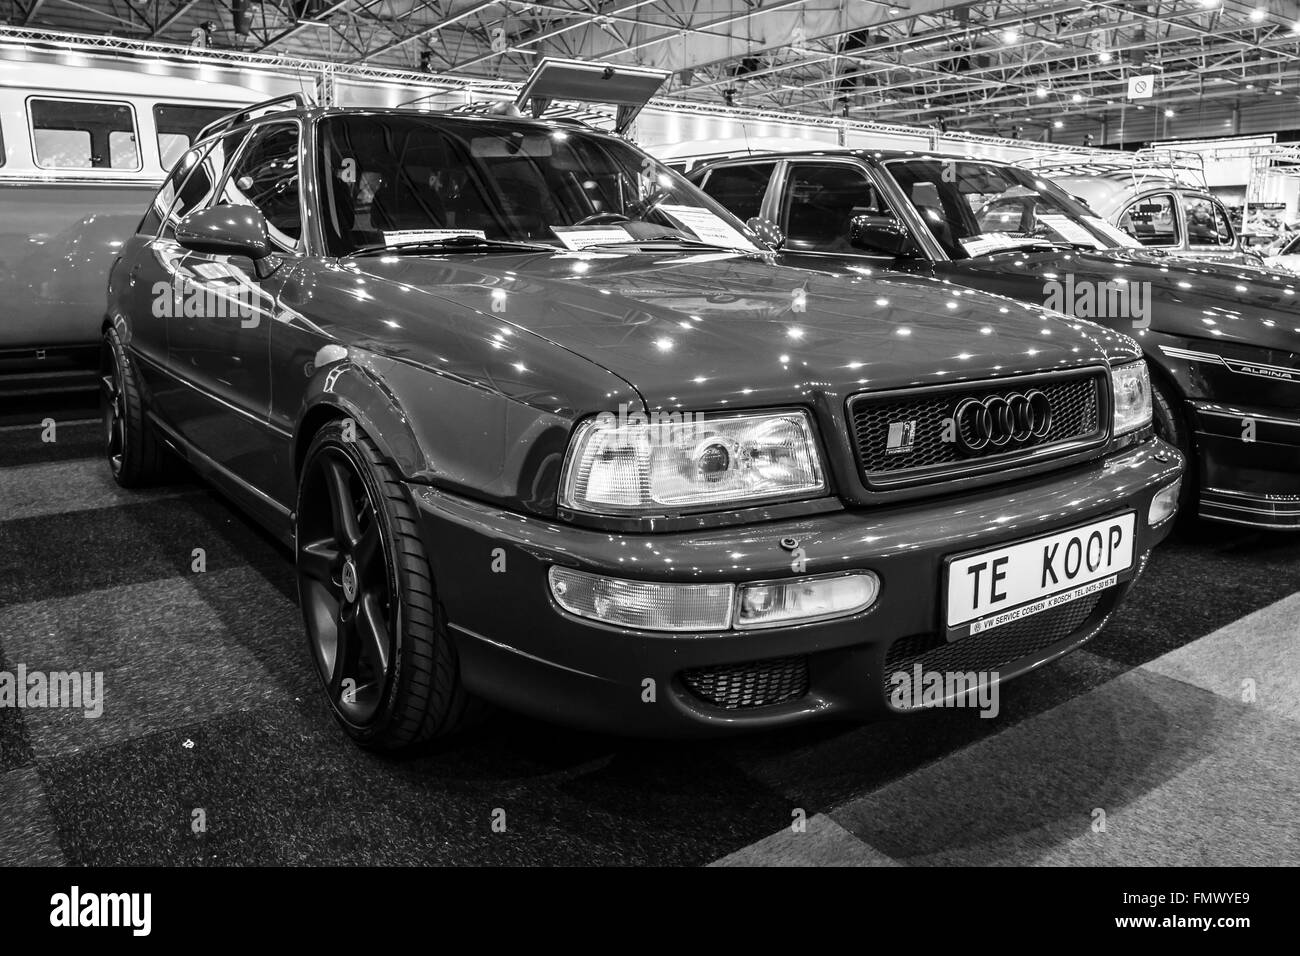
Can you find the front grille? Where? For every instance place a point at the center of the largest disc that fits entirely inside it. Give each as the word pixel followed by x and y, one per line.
pixel 749 684
pixel 991 650
pixel 1079 406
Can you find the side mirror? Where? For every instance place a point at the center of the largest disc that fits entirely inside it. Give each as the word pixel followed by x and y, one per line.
pixel 228 231
pixel 880 234
pixel 767 230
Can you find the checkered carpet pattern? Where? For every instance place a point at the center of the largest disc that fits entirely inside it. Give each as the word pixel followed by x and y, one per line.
pixel 1172 738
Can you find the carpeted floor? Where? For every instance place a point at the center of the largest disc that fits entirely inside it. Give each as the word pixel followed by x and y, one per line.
pixel 210 705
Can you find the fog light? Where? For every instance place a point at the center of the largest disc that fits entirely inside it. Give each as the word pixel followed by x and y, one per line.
pixel 659 606
pixel 1164 504
pixel 801 600
pixel 650 605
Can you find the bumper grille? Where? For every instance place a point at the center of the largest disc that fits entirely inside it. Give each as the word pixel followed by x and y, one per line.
pixel 750 684
pixel 1078 401
pixel 992 650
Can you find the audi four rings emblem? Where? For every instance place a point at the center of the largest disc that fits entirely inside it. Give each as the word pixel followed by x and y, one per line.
pixel 1002 421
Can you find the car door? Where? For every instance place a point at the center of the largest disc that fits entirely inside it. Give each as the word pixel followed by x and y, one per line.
pixel 219 341
pixel 150 269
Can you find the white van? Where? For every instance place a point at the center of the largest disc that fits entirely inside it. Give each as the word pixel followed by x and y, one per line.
pixel 82 150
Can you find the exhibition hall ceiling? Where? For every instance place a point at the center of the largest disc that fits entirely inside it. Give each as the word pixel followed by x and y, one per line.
pixel 978 67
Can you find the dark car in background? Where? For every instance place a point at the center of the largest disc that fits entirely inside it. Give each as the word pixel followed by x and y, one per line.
pixel 1222 339
pixel 545 426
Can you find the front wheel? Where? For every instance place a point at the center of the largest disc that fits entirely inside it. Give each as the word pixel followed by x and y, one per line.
pixel 375 628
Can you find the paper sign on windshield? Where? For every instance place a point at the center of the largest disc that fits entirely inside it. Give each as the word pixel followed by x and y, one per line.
pixel 584 237
pixel 1069 230
pixel 708 226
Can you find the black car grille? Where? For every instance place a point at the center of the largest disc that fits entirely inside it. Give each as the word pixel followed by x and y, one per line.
pixel 749 684
pixel 1079 403
pixel 991 650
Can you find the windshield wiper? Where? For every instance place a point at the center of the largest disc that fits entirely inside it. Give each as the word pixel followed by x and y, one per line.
pixel 676 240
pixel 466 241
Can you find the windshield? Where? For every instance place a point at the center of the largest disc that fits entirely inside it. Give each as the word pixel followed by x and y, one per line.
pixel 976 208
pixel 392 180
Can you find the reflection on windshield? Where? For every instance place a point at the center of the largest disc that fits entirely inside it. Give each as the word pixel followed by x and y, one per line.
pixel 406 179
pixel 976 208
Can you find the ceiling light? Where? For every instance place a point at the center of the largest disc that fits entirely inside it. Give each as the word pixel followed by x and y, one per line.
pixel 1077 97
pixel 1169 114
pixel 1041 92
pixel 1010 35
pixel 1258 14
pixel 1105 56
pixel 1058 123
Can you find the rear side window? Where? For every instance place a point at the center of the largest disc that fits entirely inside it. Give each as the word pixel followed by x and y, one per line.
pixel 178 124
pixel 83 134
pixel 740 188
pixel 1206 223
pixel 1152 221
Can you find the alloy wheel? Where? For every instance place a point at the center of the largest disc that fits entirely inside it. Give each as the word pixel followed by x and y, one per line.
pixel 345 585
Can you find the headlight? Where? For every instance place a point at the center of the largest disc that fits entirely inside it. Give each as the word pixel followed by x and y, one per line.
pixel 683 462
pixel 1131 386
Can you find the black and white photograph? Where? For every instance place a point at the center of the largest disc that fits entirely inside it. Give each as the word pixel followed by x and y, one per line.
pixel 632 434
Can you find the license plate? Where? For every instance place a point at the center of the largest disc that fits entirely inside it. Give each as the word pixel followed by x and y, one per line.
pixel 1016 581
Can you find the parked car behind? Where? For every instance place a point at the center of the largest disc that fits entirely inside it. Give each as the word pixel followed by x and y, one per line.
pixel 1223 340
pixel 1158 197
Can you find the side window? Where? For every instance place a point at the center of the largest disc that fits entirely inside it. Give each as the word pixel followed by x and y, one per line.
pixel 178 124
pixel 1152 221
pixel 1206 223
pixel 266 175
pixel 163 199
pixel 740 188
pixel 821 201
pixel 81 134
pixel 197 191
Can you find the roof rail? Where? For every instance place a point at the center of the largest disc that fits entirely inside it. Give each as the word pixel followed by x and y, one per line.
pixel 297 101
pixel 1150 164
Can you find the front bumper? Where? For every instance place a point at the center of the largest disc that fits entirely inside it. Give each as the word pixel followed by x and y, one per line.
pixel 1250 465
pixel 518 648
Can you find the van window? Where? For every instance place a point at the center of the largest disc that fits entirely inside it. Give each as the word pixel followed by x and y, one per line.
pixel 178 124
pixel 80 134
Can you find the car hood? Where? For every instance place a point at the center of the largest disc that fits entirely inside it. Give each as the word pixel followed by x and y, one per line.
pixel 720 330
pixel 1223 302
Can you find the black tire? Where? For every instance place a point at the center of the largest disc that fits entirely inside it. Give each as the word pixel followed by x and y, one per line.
pixel 413 695
pixel 1171 424
pixel 135 454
